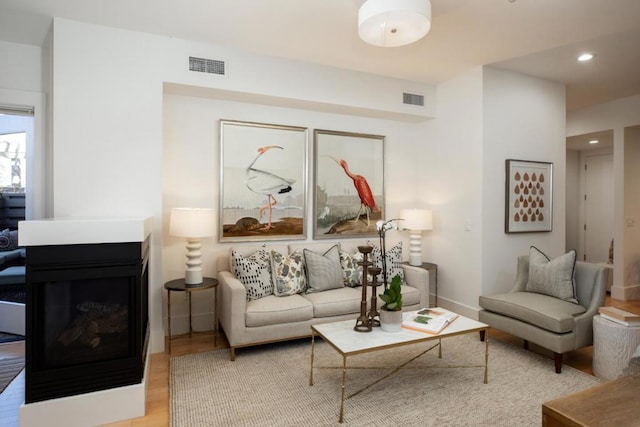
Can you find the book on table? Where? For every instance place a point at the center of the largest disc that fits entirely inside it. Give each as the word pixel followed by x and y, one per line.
pixel 429 320
pixel 620 316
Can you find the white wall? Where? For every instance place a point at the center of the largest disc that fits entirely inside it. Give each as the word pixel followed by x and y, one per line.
pixel 451 184
pixel 524 119
pixel 616 115
pixel 191 172
pixel 21 67
pixel 572 200
pixel 632 206
pixel 112 104
pixel 486 116
pixel 108 115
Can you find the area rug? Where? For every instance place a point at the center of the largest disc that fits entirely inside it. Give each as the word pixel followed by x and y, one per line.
pixel 10 367
pixel 269 386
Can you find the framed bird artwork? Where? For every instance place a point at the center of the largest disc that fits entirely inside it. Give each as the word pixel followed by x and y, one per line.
pixel 263 181
pixel 348 184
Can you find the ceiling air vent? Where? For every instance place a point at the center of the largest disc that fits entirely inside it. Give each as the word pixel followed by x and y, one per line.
pixel 413 99
pixel 203 65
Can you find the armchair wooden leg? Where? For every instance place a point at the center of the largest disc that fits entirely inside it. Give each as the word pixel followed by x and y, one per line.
pixel 232 353
pixel 481 335
pixel 525 345
pixel 557 360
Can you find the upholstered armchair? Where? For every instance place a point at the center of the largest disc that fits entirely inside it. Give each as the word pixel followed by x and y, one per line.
pixel 554 323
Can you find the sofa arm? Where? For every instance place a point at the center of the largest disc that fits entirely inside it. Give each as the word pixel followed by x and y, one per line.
pixel 418 278
pixel 583 329
pixel 233 306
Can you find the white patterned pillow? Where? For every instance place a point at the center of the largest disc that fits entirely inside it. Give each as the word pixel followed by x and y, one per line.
pixel 552 277
pixel 323 270
pixel 394 261
pixel 288 274
pixel 254 272
pixel 351 271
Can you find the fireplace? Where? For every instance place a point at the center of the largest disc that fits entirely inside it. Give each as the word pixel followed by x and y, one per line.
pixel 87 318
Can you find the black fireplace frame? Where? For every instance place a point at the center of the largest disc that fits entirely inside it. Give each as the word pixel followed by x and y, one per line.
pixel 51 263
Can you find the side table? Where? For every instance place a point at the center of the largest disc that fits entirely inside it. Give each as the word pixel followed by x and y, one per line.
pixel 429 266
pixel 179 285
pixel 613 347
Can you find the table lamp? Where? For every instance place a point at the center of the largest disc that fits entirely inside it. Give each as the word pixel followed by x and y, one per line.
pixel 416 221
pixel 194 224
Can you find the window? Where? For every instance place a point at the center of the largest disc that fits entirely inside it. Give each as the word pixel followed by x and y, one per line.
pixel 13 162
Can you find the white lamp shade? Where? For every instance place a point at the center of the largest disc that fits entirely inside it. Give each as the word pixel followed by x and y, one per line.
pixel 389 23
pixel 192 222
pixel 417 219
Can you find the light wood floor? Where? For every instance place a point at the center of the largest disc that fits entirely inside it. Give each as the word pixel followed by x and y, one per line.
pixel 158 387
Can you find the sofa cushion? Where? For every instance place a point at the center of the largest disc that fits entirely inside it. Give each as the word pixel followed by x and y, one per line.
pixel 550 313
pixel 351 271
pixel 323 270
pixel 335 302
pixel 288 274
pixel 552 277
pixel 273 310
pixel 254 272
pixel 393 261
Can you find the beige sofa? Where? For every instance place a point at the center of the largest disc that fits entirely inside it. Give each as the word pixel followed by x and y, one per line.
pixel 271 318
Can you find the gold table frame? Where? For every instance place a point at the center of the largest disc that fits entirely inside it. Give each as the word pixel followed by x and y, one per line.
pixel 346 342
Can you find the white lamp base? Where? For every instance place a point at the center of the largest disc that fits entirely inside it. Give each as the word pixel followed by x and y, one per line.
pixel 415 247
pixel 193 272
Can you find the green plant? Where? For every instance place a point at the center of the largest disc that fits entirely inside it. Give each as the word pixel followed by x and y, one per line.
pixel 392 296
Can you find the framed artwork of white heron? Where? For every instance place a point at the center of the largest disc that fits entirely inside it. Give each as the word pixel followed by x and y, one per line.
pixel 348 184
pixel 262 182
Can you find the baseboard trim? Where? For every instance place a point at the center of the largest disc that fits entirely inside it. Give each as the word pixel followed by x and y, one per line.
pixel 625 293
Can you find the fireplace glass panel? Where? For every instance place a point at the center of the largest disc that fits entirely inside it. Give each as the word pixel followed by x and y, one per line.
pixel 86 321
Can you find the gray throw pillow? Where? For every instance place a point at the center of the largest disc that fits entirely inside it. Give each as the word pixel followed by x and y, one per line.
pixel 8 240
pixel 324 271
pixel 552 277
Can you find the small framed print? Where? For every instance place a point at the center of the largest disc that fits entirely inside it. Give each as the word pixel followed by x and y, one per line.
pixel 528 196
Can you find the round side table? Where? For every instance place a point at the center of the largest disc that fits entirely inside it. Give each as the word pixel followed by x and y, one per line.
pixel 179 285
pixel 613 346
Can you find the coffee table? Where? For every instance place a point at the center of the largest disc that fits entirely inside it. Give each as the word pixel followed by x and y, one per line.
pixel 347 342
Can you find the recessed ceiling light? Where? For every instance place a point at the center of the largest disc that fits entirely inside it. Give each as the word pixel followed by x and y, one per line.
pixel 593 141
pixel 585 57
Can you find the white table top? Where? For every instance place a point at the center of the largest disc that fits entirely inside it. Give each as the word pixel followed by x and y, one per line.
pixel 346 341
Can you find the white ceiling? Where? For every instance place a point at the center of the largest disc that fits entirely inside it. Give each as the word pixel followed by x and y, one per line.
pixel 537 37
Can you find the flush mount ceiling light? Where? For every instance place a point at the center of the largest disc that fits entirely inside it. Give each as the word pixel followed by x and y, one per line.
pixel 390 23
pixel 585 57
pixel 593 141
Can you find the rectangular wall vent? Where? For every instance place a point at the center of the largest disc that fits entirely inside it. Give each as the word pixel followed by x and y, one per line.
pixel 203 65
pixel 413 99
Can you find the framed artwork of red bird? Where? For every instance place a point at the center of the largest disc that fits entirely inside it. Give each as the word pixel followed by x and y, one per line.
pixel 348 184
